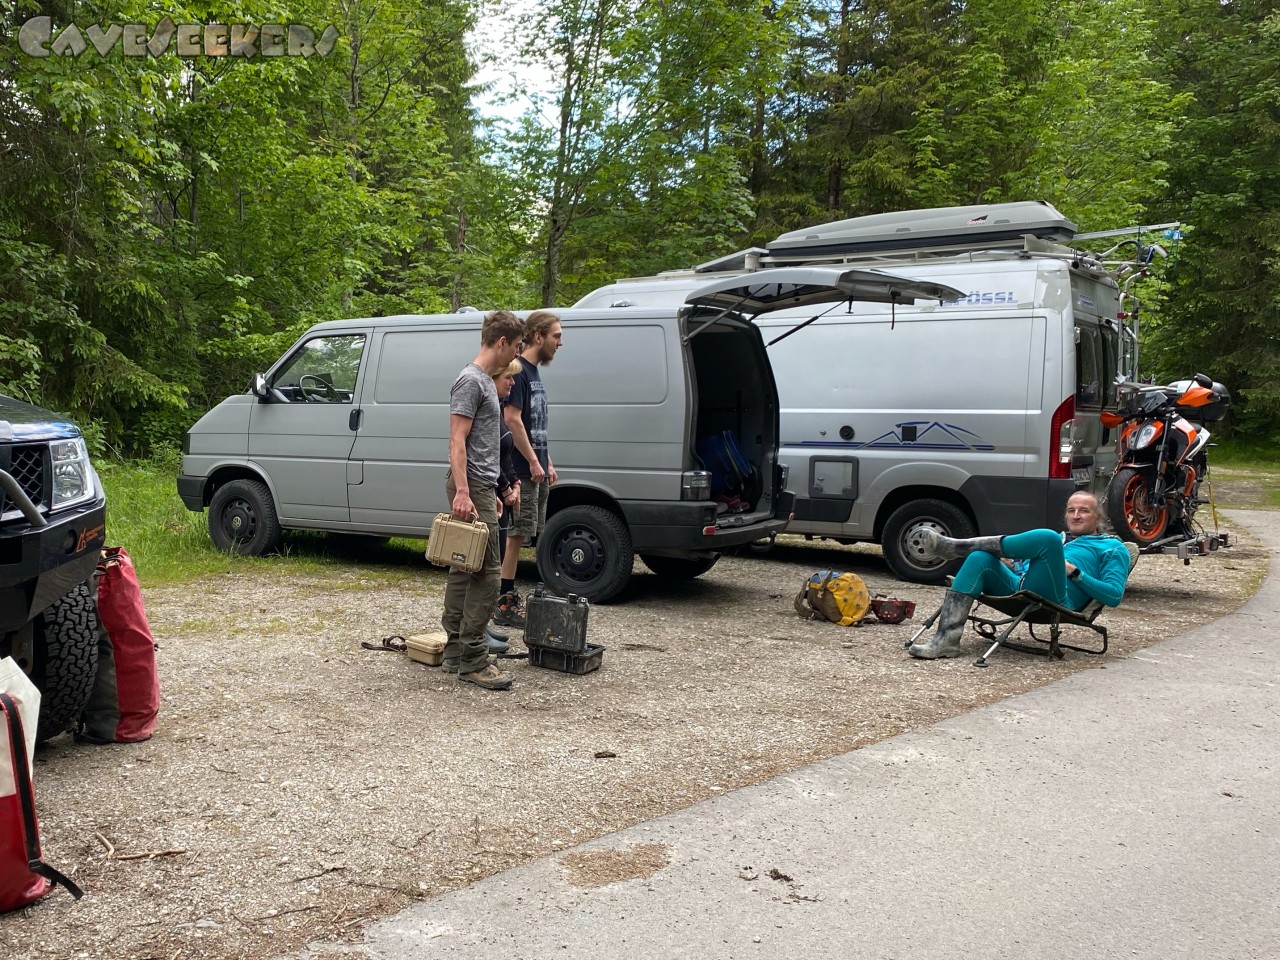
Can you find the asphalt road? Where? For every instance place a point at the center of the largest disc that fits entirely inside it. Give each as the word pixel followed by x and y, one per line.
pixel 1128 811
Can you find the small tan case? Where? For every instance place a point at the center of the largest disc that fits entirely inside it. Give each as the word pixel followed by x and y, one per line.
pixel 426 648
pixel 457 543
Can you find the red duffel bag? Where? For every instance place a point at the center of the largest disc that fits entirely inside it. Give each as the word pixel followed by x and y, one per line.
pixel 24 876
pixel 126 691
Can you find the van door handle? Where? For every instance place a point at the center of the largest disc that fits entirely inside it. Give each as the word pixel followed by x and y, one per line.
pixel 354 420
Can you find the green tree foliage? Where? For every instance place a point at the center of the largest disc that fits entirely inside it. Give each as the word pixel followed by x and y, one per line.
pixel 1220 313
pixel 167 226
pixel 640 155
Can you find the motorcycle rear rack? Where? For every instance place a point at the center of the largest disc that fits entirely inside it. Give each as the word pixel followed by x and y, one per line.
pixel 1184 548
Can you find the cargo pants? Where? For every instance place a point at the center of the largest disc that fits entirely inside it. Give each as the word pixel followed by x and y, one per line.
pixel 469 597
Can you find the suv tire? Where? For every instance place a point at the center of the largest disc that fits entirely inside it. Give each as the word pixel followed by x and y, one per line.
pixel 64 660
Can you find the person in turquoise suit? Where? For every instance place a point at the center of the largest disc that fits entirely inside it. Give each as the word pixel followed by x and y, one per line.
pixel 1070 568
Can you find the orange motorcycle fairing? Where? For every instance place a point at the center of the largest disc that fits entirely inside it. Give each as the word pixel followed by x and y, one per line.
pixel 1195 396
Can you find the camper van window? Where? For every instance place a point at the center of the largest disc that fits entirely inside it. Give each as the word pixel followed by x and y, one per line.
pixel 1111 353
pixel 1091 371
pixel 323 370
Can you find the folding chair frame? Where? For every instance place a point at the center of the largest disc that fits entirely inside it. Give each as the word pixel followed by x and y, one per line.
pixel 1034 610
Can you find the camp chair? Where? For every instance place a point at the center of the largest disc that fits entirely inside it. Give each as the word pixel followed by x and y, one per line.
pixel 1034 610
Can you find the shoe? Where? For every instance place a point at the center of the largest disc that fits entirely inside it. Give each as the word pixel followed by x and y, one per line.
pixel 496 640
pixel 451 664
pixel 510 610
pixel 490 678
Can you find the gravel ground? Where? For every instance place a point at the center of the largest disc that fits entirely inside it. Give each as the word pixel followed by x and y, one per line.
pixel 299 786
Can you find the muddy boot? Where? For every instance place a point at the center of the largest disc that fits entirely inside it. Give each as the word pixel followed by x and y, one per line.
pixel 934 544
pixel 951 620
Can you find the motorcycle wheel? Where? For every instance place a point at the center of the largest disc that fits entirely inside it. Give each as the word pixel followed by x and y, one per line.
pixel 1131 510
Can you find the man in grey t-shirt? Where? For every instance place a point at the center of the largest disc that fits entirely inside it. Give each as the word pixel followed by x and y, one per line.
pixel 471 485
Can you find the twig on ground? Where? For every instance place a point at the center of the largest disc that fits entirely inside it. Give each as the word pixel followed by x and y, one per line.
pixel 312 876
pixel 272 914
pixel 150 854
pixel 111 851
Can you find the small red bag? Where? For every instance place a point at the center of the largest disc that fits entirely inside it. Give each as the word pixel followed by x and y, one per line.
pixel 125 700
pixel 24 877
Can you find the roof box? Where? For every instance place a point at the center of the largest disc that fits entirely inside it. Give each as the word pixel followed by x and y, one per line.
pixel 981 226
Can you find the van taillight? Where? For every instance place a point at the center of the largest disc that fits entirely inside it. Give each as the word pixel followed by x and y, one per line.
pixel 1060 446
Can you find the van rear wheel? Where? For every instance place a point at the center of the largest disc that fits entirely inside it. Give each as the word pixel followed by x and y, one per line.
pixel 678 568
pixel 587 551
pixel 900 540
pixel 242 518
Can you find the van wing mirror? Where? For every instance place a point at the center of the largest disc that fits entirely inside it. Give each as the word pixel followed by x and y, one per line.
pixel 265 393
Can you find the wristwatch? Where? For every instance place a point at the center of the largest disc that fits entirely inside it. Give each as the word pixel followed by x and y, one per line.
pixel 1074 574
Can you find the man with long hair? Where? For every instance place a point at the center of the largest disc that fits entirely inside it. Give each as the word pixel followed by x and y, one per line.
pixel 525 414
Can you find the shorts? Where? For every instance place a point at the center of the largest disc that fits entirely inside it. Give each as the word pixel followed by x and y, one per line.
pixel 528 523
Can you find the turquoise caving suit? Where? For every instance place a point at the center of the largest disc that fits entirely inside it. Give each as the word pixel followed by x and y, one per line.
pixel 1103 562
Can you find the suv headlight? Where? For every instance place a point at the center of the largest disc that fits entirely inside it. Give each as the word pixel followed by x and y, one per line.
pixel 72 475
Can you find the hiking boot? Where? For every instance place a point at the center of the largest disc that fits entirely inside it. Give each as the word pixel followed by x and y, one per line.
pixel 509 611
pixel 490 678
pixel 451 664
pixel 497 640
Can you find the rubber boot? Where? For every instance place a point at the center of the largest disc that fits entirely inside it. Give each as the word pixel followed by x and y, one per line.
pixel 496 639
pixel 933 544
pixel 951 620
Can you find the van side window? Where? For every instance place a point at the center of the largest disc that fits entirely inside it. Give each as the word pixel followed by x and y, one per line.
pixel 1091 373
pixel 322 371
pixel 1111 354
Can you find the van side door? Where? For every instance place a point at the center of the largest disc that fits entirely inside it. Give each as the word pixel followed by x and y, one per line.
pixel 302 440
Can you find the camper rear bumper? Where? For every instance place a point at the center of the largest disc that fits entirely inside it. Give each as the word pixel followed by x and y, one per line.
pixel 1011 504
pixel 679 526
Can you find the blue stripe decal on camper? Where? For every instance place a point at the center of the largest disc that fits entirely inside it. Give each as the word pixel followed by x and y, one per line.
pixel 930 435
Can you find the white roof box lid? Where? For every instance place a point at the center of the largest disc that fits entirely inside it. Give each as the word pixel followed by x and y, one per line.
pixel 781 288
pixel 979 226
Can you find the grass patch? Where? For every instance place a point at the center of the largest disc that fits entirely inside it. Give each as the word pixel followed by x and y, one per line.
pixel 1246 486
pixel 1251 456
pixel 169 544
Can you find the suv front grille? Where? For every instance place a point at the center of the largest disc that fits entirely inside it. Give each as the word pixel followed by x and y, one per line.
pixel 28 464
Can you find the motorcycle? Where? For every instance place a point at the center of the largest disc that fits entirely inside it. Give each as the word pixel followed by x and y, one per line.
pixel 1162 459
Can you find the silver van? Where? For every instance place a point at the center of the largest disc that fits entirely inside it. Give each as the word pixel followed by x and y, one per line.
pixel 978 415
pixel 349 432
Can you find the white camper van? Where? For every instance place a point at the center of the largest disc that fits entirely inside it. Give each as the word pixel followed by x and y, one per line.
pixel 978 415
pixel 349 432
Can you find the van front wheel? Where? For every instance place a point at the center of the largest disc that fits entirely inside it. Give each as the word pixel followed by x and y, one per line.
pixel 587 551
pixel 242 518
pixel 901 539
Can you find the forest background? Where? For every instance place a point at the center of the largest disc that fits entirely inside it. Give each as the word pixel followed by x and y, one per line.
pixel 168 226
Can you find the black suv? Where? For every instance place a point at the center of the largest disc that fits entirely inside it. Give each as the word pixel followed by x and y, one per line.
pixel 52 528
